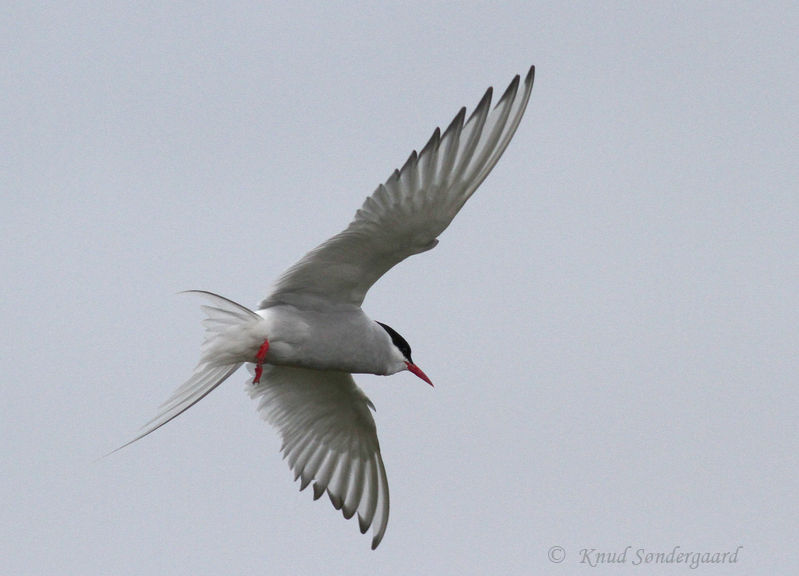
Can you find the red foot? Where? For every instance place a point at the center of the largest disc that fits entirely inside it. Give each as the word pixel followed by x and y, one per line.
pixel 259 361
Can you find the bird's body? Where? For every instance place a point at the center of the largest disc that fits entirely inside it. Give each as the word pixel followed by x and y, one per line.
pixel 343 338
pixel 309 335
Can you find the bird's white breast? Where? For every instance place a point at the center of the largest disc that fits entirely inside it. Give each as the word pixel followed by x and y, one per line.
pixel 342 338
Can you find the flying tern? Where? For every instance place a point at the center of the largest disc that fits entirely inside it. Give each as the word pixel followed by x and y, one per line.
pixel 309 335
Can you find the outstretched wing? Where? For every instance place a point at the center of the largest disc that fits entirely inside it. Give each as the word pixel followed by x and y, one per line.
pixel 329 439
pixel 405 215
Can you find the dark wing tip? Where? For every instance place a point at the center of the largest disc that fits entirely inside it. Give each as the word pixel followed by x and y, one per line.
pixel 363 525
pixel 456 123
pixel 433 143
pixel 485 103
pixel 510 91
pixel 409 162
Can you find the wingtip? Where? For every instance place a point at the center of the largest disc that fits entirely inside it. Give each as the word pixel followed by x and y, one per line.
pixel 363 524
pixel 378 537
pixel 510 91
pixel 486 99
pixel 483 106
pixel 335 500
pixel 432 143
pixel 456 123
pixel 530 75
pixel 412 159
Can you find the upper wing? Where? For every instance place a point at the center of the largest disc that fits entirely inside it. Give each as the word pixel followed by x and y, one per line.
pixel 329 439
pixel 405 215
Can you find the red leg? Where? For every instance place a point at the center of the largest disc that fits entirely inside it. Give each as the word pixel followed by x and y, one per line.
pixel 259 361
pixel 262 352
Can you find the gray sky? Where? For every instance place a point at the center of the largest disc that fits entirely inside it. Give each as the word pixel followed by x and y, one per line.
pixel 611 322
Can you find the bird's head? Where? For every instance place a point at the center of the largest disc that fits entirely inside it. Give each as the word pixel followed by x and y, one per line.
pixel 401 352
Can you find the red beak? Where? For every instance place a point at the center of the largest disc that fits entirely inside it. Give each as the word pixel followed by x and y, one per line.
pixel 416 370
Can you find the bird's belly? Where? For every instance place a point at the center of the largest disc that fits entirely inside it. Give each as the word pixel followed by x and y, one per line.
pixel 342 341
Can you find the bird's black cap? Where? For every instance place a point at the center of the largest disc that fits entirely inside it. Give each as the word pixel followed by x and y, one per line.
pixel 398 341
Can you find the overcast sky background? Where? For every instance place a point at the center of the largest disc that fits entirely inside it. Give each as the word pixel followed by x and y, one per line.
pixel 612 322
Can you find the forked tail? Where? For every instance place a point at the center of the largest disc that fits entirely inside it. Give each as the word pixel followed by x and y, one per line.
pixel 222 315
